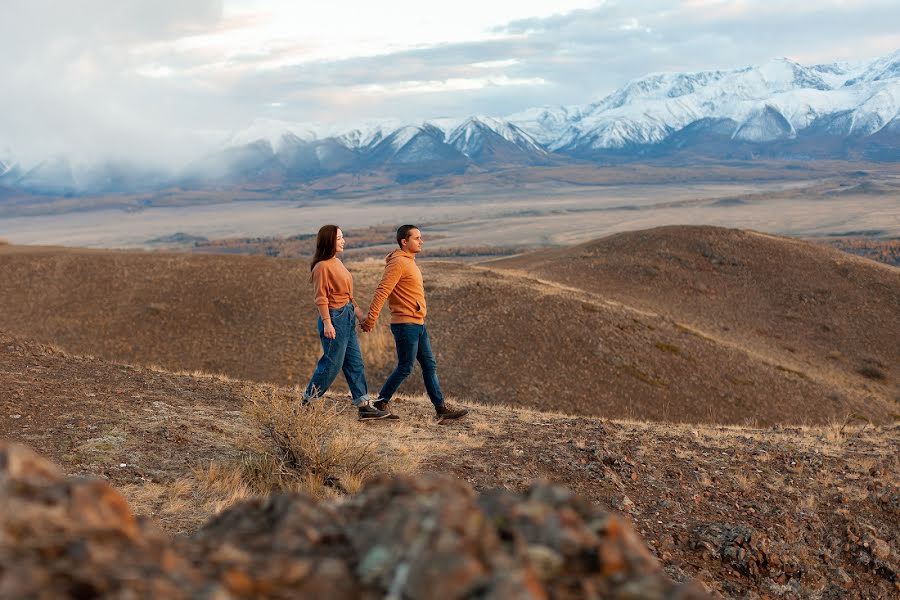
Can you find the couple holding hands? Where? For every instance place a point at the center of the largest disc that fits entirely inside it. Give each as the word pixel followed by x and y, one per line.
pixel 401 285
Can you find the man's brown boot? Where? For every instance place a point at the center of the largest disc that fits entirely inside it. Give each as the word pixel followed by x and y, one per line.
pixel 448 412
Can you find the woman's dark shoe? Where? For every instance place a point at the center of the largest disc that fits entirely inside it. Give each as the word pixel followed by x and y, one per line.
pixel 383 405
pixel 448 412
pixel 369 412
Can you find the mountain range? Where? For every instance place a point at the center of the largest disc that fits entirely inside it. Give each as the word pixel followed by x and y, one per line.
pixel 778 110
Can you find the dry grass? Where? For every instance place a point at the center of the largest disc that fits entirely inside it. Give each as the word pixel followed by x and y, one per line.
pixel 319 449
pixel 744 480
pixel 305 448
pixel 703 478
pixel 4 242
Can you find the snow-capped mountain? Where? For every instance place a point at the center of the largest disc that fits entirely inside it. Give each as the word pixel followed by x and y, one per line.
pixel 780 109
pixel 774 101
pixel 486 138
pixel 887 67
pixel 288 151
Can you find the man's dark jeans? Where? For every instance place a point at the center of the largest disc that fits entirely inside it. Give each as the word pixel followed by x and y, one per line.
pixel 340 354
pixel 413 344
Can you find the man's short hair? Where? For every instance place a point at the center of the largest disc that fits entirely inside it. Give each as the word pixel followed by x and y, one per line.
pixel 403 233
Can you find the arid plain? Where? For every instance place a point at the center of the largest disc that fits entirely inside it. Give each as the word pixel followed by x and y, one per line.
pixel 517 208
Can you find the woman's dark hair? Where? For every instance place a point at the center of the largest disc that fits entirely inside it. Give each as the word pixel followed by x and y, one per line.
pixel 403 233
pixel 326 245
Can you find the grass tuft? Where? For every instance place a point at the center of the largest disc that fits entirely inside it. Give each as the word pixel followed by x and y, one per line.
pixel 305 448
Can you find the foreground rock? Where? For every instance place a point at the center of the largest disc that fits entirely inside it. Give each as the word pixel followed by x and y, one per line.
pixel 423 537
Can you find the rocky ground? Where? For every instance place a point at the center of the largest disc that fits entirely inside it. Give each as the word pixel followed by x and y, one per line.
pixel 748 512
pixel 430 537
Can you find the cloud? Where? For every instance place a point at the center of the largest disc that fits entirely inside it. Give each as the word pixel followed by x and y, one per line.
pixel 163 81
pixel 72 83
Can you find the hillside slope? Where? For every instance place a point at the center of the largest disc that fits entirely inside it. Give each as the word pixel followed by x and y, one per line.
pixel 835 317
pixel 793 512
pixel 499 337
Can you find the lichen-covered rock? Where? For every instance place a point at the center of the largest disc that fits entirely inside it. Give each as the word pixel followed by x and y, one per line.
pixel 749 551
pixel 400 538
pixel 68 537
pixel 283 546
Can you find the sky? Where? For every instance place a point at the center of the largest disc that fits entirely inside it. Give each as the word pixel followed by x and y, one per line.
pixel 163 80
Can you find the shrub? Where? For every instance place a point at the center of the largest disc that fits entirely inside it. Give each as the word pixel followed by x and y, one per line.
pixel 307 448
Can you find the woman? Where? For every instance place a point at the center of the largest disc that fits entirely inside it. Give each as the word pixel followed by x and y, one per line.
pixel 338 314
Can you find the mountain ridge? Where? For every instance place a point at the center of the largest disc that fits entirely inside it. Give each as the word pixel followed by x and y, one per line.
pixel 779 109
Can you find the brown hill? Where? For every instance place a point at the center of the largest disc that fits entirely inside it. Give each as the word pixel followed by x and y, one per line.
pixel 500 337
pixel 832 316
pixel 788 512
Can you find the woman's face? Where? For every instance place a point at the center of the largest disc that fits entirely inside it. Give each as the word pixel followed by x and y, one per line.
pixel 339 244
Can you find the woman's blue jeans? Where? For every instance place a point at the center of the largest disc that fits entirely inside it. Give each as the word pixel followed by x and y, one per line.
pixel 413 344
pixel 340 354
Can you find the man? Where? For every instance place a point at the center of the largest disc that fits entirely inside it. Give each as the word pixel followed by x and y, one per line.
pixel 401 285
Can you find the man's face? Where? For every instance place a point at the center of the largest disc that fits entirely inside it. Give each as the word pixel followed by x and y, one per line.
pixel 414 242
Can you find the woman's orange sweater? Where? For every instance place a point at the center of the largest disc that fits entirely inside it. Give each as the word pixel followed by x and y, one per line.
pixel 332 285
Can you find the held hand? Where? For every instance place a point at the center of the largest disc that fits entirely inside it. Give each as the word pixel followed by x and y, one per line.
pixel 367 326
pixel 330 333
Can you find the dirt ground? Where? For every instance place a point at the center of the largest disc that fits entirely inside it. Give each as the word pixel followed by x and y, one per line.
pixel 751 512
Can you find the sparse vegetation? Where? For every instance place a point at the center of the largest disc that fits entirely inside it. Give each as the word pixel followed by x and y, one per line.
pixel 377 346
pixel 191 453
pixel 252 319
pixel 305 447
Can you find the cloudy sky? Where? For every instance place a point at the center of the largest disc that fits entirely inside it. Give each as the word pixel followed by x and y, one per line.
pixel 164 79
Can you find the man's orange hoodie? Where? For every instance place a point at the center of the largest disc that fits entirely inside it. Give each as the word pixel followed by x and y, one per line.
pixel 401 285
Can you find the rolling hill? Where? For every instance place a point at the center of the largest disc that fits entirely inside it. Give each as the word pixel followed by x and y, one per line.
pixel 833 316
pixel 509 337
